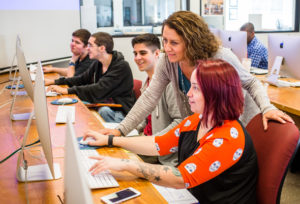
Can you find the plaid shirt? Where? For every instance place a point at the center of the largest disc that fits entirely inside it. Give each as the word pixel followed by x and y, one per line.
pixel 258 54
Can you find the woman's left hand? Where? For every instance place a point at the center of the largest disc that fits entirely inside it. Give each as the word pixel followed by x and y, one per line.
pixel 100 140
pixel 275 115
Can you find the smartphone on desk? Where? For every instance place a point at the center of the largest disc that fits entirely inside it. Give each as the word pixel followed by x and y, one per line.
pixel 120 196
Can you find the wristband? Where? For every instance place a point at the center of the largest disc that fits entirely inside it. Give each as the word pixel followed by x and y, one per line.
pixel 110 140
pixel 72 64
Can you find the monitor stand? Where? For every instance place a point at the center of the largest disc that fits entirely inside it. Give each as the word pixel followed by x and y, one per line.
pixel 12 69
pixel 274 73
pixel 20 116
pixel 19 93
pixel 39 172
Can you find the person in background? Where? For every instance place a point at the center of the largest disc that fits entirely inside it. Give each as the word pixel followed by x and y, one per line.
pixel 108 79
pixel 80 61
pixel 257 52
pixel 166 115
pixel 217 159
pixel 186 39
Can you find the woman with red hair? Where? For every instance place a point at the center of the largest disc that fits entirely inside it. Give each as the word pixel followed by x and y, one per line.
pixel 217 160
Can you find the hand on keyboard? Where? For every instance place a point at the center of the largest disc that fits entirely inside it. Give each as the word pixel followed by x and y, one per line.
pixel 100 180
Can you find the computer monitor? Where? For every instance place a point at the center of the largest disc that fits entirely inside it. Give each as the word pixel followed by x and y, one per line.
pixel 215 31
pixel 288 47
pixel 49 170
pixel 75 183
pixel 236 41
pixel 25 76
pixel 10 77
pixel 23 71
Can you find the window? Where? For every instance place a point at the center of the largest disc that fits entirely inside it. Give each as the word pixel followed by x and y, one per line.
pixel 119 17
pixel 104 12
pixel 266 15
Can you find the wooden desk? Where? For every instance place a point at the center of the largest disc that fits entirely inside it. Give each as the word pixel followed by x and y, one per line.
pixel 284 98
pixel 11 134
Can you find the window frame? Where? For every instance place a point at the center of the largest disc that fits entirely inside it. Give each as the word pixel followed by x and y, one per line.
pixel 179 3
pixel 296 20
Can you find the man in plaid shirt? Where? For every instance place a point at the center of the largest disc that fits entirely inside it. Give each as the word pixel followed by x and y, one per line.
pixel 257 52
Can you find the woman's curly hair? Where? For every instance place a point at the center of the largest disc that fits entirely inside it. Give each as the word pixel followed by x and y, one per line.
pixel 199 41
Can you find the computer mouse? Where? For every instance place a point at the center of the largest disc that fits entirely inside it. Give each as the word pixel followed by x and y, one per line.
pixel 65 100
pixel 86 141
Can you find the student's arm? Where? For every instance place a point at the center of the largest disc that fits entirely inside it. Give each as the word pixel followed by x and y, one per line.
pixel 60 71
pixel 146 144
pixel 71 71
pixel 147 101
pixel 158 174
pixel 170 107
pixel 162 175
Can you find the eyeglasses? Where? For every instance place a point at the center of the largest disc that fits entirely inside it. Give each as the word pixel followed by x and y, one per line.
pixel 90 45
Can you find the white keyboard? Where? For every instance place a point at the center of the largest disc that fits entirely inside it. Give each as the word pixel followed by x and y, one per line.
pixel 282 83
pixel 101 180
pixel 32 76
pixel 63 112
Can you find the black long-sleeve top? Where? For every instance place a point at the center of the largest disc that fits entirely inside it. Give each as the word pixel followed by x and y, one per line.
pixel 95 87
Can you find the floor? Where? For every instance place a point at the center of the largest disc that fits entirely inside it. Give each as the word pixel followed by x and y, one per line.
pixel 291 189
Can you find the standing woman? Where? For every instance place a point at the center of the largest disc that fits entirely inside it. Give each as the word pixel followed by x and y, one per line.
pixel 217 160
pixel 186 39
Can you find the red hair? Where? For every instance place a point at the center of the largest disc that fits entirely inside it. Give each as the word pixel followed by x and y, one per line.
pixel 222 91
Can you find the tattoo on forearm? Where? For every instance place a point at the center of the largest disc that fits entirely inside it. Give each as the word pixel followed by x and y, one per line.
pixel 166 168
pixel 154 173
pixel 175 171
pixel 142 169
pixel 157 178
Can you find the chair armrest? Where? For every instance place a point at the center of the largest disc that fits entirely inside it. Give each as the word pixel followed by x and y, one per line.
pixel 95 105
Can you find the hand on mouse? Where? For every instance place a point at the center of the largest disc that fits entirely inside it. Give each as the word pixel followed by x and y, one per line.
pixel 99 139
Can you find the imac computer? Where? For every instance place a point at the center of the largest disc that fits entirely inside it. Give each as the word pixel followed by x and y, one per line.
pixel 25 76
pixel 13 78
pixel 236 41
pixel 287 47
pixel 76 187
pixel 49 170
pixel 215 31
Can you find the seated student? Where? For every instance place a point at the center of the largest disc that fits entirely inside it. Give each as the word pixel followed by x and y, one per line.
pixel 108 79
pixel 217 160
pixel 80 61
pixel 166 114
pixel 257 52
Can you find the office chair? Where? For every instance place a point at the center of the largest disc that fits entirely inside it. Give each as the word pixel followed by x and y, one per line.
pixel 275 149
pixel 137 85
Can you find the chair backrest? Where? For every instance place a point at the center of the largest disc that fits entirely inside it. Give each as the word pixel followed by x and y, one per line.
pixel 137 85
pixel 275 149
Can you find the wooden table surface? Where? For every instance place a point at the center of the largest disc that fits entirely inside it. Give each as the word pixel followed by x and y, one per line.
pixel 11 134
pixel 284 98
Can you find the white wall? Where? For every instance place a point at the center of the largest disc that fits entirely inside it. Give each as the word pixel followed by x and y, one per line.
pixel 45 29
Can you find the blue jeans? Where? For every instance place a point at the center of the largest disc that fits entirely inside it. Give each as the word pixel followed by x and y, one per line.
pixel 109 115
